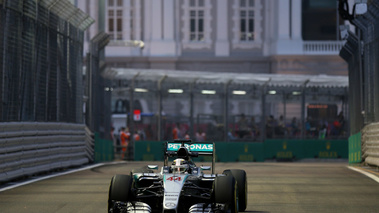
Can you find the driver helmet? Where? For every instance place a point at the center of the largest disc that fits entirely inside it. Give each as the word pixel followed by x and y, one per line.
pixel 179 166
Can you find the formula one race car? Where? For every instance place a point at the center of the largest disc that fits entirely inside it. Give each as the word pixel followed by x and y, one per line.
pixel 181 186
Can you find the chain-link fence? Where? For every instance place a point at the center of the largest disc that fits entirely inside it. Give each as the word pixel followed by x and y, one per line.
pixel 97 89
pixel 361 51
pixel 41 61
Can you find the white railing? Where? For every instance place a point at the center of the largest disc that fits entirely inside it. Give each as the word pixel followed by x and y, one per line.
pixel 370 144
pixel 322 47
pixel 31 148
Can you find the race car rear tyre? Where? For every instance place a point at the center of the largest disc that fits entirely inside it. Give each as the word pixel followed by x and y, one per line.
pixel 240 176
pixel 225 192
pixel 119 189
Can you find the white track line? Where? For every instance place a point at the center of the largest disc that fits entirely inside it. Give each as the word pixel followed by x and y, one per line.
pixel 365 173
pixel 49 176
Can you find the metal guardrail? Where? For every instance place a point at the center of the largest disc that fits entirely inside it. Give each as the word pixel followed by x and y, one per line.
pixel 370 144
pixel 30 148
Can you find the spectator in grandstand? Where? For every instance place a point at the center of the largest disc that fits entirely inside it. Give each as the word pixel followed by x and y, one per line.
pixel 243 128
pixel 310 127
pixel 176 131
pixel 294 126
pixel 187 136
pixel 280 129
pixel 200 136
pixel 136 136
pixel 149 133
pixel 253 127
pixel 125 138
pixel 230 135
pixel 338 125
pixel 341 120
pixel 322 132
pixel 113 138
pixel 270 125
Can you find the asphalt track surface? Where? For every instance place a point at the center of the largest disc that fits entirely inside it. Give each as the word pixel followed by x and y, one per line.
pixel 272 187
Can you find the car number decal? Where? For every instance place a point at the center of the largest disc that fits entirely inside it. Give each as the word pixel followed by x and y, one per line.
pixel 174 178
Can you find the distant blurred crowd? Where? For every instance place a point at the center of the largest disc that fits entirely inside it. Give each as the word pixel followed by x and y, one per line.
pixel 278 128
pixel 245 129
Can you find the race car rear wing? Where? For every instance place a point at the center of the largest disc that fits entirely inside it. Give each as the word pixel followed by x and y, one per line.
pixel 187 148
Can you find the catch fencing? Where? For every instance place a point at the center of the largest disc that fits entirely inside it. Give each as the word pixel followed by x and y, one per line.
pixel 41 87
pixel 361 52
pixel 41 61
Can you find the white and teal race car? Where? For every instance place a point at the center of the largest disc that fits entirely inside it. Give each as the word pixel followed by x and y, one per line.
pixel 181 186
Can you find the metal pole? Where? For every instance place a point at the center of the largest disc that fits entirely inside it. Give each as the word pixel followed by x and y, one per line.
pixel 159 135
pixel 226 110
pixel 338 21
pixel 303 109
pixel 361 76
pixel 191 133
pixel 263 117
pixel 303 113
pixel 131 118
pixel 284 107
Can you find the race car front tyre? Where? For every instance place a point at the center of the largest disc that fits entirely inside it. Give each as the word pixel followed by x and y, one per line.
pixel 240 176
pixel 225 192
pixel 119 189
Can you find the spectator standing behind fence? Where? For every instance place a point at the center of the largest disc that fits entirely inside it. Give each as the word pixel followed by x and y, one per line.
pixel 125 138
pixel 113 138
pixel 341 120
pixel 336 127
pixel 200 136
pixel 280 129
pixel 270 125
pixel 187 136
pixel 294 127
pixel 136 136
pixel 243 128
pixel 253 127
pixel 322 132
pixel 176 132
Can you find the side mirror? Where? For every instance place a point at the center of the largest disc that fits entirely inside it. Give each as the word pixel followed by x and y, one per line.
pixel 205 168
pixel 152 167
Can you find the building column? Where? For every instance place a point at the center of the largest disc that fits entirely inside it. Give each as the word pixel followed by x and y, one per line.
pixel 137 21
pixel 163 26
pixel 289 27
pixel 296 20
pixel 126 20
pixel 156 27
pixel 222 43
pixel 147 28
pixel 284 19
pixel 169 23
pixel 156 17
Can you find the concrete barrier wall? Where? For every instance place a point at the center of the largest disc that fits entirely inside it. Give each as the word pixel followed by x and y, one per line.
pixel 370 144
pixel 28 148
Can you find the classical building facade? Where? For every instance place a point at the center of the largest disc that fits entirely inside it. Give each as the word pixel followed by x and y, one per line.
pixel 253 36
pixel 222 36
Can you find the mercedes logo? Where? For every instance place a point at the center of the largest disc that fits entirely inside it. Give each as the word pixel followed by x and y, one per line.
pixel 170 205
